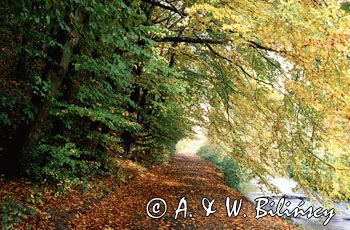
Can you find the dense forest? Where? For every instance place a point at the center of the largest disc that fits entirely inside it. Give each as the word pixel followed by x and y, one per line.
pixel 85 82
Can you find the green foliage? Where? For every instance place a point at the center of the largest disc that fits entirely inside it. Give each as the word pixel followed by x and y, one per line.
pixel 29 110
pixel 40 87
pixel 65 164
pixel 345 6
pixel 4 119
pixel 233 173
pixel 13 211
pixel 116 83
pixel 6 103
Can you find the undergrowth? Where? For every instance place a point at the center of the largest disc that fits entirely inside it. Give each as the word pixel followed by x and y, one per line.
pixel 233 173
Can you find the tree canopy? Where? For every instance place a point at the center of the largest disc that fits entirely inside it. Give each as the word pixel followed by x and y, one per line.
pixel 87 80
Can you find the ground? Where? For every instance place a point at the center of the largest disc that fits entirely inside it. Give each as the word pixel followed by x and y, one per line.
pixel 184 176
pixel 113 203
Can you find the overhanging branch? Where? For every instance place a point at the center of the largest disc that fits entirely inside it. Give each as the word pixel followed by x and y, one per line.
pixel 170 8
pixel 199 40
pixel 257 45
pixel 190 40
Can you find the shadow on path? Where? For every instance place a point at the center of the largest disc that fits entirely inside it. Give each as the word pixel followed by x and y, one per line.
pixel 184 176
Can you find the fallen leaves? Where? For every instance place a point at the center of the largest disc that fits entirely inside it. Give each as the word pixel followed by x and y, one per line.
pixel 184 176
pixel 124 208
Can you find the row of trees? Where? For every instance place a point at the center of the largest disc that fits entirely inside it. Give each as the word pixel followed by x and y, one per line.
pixel 269 81
pixel 89 82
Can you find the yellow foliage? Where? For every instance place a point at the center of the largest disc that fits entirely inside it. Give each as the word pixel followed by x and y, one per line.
pixel 278 89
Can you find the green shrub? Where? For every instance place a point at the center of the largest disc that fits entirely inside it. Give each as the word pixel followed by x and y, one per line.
pixel 232 171
pixel 13 211
pixel 64 164
pixel 6 103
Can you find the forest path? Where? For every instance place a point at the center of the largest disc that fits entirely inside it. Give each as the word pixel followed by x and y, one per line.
pixel 184 176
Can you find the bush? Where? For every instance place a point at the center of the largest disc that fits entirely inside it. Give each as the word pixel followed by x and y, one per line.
pixel 6 103
pixel 13 211
pixel 232 171
pixel 64 164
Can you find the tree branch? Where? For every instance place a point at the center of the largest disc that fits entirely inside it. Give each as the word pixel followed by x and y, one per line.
pixel 190 40
pixel 236 64
pixel 257 45
pixel 199 40
pixel 171 7
pixel 182 14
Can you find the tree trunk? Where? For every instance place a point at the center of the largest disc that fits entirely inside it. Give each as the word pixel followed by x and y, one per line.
pixel 28 133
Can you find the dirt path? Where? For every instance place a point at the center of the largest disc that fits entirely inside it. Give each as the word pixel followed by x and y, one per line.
pixel 184 176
